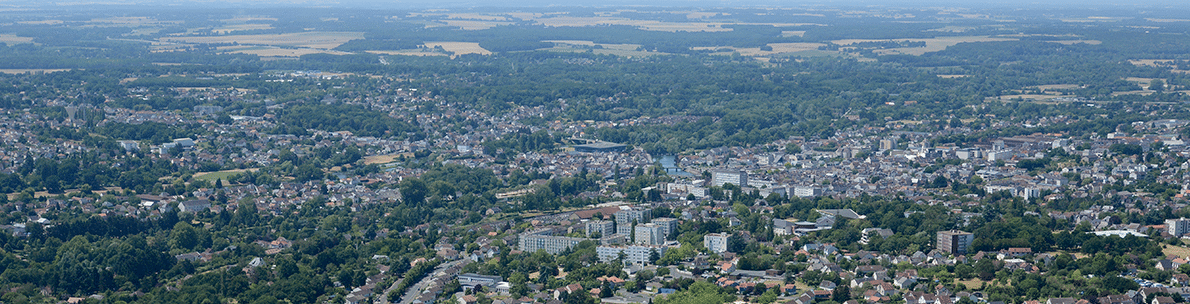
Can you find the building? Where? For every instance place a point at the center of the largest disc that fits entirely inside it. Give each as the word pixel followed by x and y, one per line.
pixel 954 241
pixel 130 145
pixel 668 226
pixel 806 191
pixel 723 177
pixel 633 254
pixel 888 144
pixel 625 218
pixel 967 153
pixel 1178 227
pixel 649 234
pixel 541 240
pixel 194 205
pixel 471 280
pixel 716 242
pixel 603 228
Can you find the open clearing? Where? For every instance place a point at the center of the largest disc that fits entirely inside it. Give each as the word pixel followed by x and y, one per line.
pixel 932 44
pixel 1175 250
pixel 212 176
pixel 380 159
pixel 11 39
pixel 459 48
pixel 793 33
pixel 313 40
pixel 778 48
pixel 33 71
pixel 953 76
pixel 576 46
pixel 473 25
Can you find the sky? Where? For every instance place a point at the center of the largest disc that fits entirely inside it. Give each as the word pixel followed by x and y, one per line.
pixel 414 4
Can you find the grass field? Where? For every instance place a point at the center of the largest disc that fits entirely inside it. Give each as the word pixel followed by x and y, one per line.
pixel 953 76
pixel 212 176
pixel 313 40
pixel 1069 42
pixel 932 44
pixel 1179 251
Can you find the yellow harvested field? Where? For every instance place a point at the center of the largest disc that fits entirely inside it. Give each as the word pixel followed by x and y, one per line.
pixel 314 40
pixel 1069 42
pixel 414 52
pixel 271 51
pixel 459 48
pixel 932 44
pixel 14 39
pixel 32 71
pixel 241 27
pixel 473 25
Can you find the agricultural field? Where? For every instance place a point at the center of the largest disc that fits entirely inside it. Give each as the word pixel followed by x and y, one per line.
pixel 311 40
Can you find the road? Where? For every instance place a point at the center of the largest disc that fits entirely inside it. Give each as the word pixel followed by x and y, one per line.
pixel 415 290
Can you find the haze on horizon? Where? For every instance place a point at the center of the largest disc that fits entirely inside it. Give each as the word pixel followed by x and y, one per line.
pixel 424 4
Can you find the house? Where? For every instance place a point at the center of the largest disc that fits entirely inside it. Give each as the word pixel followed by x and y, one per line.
pixel 194 205
pixel 1180 279
pixel 1017 252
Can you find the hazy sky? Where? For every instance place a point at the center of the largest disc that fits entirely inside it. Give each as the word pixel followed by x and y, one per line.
pixel 406 4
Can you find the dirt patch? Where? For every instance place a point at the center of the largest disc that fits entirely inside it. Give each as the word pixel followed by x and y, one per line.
pixel 380 159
